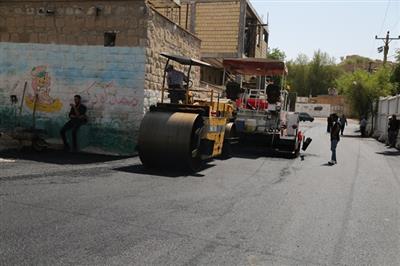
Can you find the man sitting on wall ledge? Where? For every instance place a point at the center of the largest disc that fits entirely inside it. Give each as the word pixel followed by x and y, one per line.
pixel 77 118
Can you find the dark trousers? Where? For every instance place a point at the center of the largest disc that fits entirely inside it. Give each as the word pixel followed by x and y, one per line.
pixel 342 130
pixel 334 143
pixel 392 137
pixel 74 125
pixel 363 131
pixel 177 93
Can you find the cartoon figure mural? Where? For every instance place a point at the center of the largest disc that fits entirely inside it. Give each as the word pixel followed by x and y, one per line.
pixel 41 82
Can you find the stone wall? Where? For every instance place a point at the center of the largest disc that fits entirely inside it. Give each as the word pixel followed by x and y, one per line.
pixel 73 22
pixel 165 36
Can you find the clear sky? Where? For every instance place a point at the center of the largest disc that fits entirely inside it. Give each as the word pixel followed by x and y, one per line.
pixel 338 27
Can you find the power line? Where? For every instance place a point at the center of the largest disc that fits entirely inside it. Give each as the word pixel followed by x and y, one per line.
pixel 384 18
pixel 397 22
pixel 380 31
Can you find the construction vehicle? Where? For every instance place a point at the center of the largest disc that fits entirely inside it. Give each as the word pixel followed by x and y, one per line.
pixel 262 119
pixel 186 134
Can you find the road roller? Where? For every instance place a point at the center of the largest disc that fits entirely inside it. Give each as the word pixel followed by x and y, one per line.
pixel 186 134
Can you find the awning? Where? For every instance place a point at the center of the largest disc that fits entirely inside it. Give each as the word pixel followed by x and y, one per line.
pixel 183 60
pixel 255 66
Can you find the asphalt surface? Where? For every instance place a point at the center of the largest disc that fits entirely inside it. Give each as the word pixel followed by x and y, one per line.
pixel 58 209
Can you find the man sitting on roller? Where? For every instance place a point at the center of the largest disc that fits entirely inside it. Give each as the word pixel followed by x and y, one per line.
pixel 175 79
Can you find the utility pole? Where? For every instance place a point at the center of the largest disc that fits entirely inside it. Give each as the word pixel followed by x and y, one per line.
pixel 386 41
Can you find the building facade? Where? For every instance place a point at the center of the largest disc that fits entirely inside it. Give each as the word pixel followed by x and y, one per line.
pixel 227 29
pixel 105 51
pixel 323 105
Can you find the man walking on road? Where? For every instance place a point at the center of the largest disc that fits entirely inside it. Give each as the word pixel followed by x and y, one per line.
pixel 393 130
pixel 335 138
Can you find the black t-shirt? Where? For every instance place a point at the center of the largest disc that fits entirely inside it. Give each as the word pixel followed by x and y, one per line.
pixel 335 131
pixel 273 93
pixel 393 125
pixel 82 111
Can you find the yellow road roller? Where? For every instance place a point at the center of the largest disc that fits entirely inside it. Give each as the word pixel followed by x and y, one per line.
pixel 183 135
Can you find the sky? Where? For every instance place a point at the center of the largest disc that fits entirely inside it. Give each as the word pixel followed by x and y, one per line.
pixel 338 27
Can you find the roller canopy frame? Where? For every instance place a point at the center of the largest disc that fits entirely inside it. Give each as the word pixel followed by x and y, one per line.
pixel 255 66
pixel 184 60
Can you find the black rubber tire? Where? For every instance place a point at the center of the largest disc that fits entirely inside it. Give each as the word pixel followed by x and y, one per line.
pixel 230 132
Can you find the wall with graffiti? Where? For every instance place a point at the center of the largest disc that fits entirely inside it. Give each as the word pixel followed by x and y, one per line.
pixel 110 81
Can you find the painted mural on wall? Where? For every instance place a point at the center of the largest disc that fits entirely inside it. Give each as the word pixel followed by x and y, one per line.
pixel 110 81
pixel 41 86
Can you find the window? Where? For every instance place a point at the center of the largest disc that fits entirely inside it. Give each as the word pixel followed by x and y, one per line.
pixel 265 36
pixel 109 39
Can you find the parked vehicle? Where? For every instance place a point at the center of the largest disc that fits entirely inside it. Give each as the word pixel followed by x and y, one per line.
pixel 303 116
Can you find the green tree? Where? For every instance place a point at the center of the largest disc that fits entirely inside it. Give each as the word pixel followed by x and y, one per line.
pixel 322 73
pixel 363 89
pixel 298 75
pixel 276 54
pixel 313 77
pixel 395 77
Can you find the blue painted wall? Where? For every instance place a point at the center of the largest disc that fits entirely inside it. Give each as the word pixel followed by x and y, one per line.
pixel 109 79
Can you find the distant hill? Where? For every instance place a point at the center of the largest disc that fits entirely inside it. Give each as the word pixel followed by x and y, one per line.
pixel 352 63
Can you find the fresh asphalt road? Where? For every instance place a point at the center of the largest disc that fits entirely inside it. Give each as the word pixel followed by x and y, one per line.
pixel 60 209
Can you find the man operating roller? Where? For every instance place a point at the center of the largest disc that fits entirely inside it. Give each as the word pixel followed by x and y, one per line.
pixel 175 79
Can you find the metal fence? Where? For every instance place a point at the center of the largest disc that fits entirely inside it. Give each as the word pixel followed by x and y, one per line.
pixel 386 107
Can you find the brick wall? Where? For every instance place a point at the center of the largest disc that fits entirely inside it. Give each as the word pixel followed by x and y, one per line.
pixel 165 36
pixel 261 49
pixel 217 25
pixel 73 22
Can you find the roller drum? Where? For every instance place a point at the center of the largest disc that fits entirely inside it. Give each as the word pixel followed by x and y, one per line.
pixel 170 140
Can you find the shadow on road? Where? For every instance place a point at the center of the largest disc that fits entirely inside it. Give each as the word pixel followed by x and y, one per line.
pixel 172 173
pixel 252 152
pixel 352 136
pixel 389 153
pixel 57 157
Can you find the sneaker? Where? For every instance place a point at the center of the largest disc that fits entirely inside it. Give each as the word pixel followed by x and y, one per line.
pixel 331 162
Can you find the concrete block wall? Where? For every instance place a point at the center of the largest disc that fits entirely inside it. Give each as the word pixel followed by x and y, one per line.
pixel 386 107
pixel 111 87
